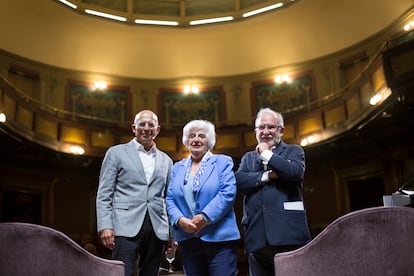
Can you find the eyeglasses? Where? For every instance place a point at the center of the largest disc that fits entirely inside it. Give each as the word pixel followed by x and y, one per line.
pixel 269 127
pixel 143 124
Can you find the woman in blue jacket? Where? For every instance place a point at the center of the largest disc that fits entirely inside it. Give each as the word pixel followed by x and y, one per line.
pixel 200 199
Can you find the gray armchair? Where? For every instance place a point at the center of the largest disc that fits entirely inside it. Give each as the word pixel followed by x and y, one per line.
pixel 369 242
pixel 29 249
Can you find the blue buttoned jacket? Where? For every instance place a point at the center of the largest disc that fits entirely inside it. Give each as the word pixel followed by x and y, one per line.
pixel 215 199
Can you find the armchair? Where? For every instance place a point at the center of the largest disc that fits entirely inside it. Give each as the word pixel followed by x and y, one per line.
pixel 372 241
pixel 30 249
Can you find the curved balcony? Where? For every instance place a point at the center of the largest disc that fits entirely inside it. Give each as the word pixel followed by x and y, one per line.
pixel 321 120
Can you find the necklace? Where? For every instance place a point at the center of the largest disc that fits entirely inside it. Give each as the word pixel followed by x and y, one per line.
pixel 196 181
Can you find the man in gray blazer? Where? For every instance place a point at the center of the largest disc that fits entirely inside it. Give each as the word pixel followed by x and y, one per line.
pixel 131 212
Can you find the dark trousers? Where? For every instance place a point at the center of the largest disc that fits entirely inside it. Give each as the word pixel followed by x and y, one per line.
pixel 261 262
pixel 209 258
pixel 146 247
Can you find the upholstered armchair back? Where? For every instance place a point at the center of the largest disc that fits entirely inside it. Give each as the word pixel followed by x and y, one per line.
pixel 368 242
pixel 29 249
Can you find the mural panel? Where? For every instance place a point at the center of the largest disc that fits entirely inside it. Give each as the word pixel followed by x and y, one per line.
pixel 110 104
pixel 177 108
pixel 286 97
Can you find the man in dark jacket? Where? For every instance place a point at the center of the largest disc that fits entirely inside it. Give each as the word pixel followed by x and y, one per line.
pixel 271 180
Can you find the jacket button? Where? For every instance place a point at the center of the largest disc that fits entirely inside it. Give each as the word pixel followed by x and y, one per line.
pixel 264 205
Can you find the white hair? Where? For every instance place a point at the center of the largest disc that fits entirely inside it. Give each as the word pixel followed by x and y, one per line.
pixel 207 126
pixel 277 115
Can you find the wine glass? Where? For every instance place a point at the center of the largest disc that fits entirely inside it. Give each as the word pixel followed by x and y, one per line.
pixel 170 257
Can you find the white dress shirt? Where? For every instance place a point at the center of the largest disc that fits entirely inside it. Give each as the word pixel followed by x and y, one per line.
pixel 147 159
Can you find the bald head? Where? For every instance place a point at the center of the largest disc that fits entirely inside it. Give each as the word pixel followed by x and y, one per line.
pixel 145 113
pixel 146 128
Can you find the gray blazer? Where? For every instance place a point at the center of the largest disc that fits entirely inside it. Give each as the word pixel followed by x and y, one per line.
pixel 124 196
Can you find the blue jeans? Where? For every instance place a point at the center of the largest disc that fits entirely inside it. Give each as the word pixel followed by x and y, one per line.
pixel 209 258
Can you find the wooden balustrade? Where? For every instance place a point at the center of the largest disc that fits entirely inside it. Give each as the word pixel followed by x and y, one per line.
pixel 326 118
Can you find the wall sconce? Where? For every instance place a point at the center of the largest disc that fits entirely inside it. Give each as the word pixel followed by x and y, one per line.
pixel 282 79
pixel 3 117
pixel 100 85
pixel 409 26
pixel 76 150
pixel 191 89
pixel 308 140
pixel 381 96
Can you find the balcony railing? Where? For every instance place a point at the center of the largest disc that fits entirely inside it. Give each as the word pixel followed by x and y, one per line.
pixel 322 120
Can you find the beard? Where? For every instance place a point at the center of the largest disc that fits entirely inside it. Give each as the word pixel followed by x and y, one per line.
pixel 270 140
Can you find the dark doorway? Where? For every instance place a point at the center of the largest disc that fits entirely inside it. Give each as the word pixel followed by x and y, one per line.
pixel 365 193
pixel 21 207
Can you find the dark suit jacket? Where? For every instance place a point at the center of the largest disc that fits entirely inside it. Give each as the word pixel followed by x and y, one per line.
pixel 273 211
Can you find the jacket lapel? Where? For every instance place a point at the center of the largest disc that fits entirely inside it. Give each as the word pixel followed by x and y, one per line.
pixel 159 165
pixel 211 162
pixel 181 174
pixel 280 148
pixel 134 155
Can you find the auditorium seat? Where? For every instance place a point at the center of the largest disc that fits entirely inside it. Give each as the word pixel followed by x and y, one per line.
pixel 30 249
pixel 367 242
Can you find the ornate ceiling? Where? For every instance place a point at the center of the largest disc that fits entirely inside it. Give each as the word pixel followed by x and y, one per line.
pixel 180 11
pixel 51 33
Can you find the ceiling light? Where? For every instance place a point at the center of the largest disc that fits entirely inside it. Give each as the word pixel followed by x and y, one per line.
pixel 211 20
pixel 106 15
pixel 156 22
pixel 67 3
pixel 265 9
